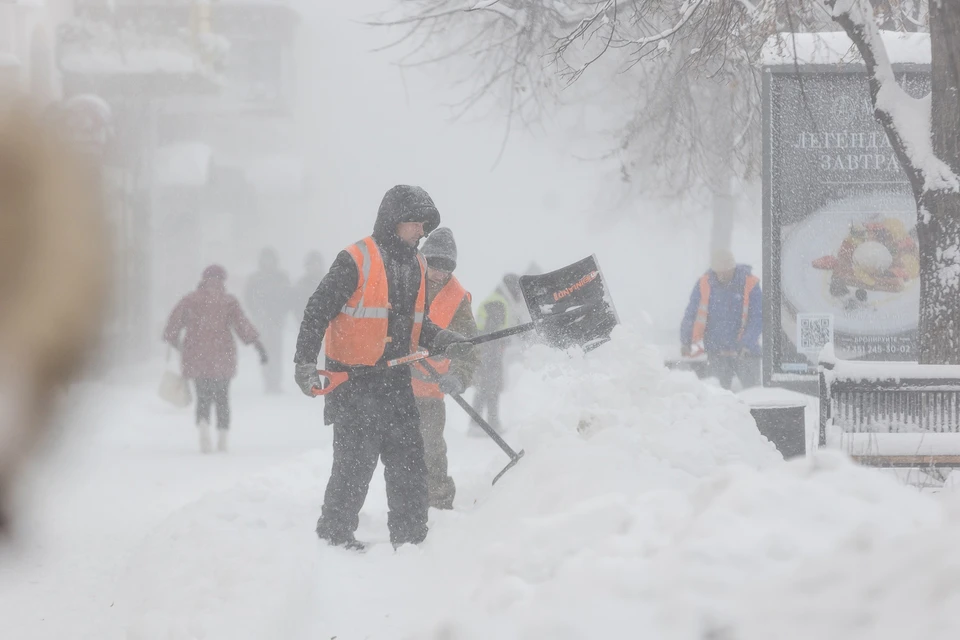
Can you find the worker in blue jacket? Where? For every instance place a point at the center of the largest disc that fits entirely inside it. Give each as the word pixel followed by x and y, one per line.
pixel 724 319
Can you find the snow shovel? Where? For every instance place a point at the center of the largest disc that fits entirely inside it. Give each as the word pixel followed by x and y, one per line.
pixel 334 379
pixel 570 306
pixel 567 307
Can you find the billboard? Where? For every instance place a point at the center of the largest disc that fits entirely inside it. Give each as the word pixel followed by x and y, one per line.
pixel 841 260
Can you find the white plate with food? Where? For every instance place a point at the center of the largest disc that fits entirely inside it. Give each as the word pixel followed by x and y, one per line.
pixel 856 259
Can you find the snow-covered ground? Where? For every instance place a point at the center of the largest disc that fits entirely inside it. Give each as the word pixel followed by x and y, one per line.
pixel 647 506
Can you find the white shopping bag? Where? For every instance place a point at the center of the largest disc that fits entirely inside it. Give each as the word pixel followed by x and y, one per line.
pixel 174 388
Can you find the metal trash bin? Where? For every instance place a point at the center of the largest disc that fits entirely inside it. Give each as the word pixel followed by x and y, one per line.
pixel 783 424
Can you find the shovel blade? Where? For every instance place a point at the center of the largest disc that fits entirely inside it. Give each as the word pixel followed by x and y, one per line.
pixel 509 466
pixel 571 306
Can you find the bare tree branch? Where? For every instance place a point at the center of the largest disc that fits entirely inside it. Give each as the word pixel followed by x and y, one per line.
pixel 689 65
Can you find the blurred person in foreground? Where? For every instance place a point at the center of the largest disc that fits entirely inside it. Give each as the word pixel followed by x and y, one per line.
pixel 370 308
pixel 208 317
pixel 450 308
pixel 53 278
pixel 724 320
pixel 268 296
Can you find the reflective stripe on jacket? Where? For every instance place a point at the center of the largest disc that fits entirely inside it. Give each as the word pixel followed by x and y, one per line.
pixel 358 334
pixel 700 323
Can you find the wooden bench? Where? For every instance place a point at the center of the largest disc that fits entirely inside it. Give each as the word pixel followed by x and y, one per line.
pixel 891 414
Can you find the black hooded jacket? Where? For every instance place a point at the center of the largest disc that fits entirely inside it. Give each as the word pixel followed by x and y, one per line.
pixel 400 204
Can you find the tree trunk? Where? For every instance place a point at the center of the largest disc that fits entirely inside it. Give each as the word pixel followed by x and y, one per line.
pixel 939 211
pixel 721 231
pixel 720 182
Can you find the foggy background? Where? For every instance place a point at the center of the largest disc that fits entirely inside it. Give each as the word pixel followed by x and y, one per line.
pixel 362 125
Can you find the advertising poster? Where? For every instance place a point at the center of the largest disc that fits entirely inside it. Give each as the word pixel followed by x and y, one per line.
pixel 841 253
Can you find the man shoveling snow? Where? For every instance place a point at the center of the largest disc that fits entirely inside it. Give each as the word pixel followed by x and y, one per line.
pixel 372 307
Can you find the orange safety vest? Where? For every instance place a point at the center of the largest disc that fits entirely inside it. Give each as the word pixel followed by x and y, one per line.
pixel 700 324
pixel 358 334
pixel 442 309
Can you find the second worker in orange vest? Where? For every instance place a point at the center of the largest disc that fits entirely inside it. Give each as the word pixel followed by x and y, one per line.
pixel 450 308
pixel 372 307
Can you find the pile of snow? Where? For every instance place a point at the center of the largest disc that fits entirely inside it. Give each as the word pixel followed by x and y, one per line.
pixel 874 587
pixel 647 506
pixel 621 399
pixel 231 565
pixel 645 500
pixel 835 47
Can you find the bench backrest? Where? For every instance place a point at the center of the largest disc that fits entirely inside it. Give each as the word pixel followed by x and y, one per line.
pixel 888 405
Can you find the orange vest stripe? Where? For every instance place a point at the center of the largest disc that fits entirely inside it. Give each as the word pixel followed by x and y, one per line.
pixel 700 324
pixel 358 334
pixel 442 310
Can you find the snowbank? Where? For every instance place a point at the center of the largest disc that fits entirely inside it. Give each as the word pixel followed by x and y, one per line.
pixel 645 500
pixel 670 563
pixel 231 565
pixel 647 506
pixel 834 47
pixel 621 397
pixel 875 587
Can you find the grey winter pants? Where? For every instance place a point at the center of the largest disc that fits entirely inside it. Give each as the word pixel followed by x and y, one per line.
pixel 379 420
pixel 433 418
pixel 210 392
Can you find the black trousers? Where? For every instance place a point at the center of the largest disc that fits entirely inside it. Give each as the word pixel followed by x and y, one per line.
pixel 377 418
pixel 210 392
pixel 725 368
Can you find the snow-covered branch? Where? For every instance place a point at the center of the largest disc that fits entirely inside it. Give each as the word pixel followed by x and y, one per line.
pixel 905 119
pixel 688 9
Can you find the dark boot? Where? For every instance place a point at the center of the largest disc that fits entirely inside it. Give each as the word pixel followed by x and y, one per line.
pixel 337 538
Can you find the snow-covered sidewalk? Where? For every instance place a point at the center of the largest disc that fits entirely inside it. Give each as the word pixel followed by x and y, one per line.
pixel 123 463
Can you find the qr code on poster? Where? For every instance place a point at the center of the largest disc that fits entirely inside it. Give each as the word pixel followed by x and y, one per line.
pixel 814 330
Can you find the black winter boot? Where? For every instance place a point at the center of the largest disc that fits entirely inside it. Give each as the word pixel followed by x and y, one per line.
pixel 337 538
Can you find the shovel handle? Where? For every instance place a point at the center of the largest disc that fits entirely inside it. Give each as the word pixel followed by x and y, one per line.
pixel 334 380
pixel 337 378
pixel 503 333
pixel 530 326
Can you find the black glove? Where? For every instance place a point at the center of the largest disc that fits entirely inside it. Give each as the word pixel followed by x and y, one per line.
pixel 262 351
pixel 451 344
pixel 451 385
pixel 307 377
